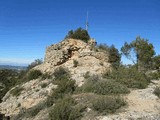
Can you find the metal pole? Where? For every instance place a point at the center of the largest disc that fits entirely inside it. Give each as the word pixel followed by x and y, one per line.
pixel 87 22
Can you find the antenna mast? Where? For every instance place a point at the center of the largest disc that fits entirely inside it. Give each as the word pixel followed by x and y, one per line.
pixel 87 22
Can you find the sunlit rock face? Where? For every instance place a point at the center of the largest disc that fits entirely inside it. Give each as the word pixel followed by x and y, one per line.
pixel 66 52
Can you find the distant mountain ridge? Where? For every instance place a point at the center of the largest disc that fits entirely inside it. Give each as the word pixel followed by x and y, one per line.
pixel 13 67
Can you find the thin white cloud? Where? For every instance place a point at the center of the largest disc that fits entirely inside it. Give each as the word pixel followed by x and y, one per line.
pixel 15 61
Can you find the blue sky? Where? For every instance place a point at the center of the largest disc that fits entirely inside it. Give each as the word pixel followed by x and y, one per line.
pixel 27 27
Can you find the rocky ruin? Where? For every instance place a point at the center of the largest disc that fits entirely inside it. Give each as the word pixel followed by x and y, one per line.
pixel 66 52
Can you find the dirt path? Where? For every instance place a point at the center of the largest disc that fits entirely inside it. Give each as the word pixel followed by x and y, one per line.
pixel 142 105
pixel 144 100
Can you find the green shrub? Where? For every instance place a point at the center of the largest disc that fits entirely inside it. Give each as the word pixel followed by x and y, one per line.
pixel 75 63
pixel 88 86
pixel 113 54
pixel 86 75
pixel 1 87
pixel 103 47
pixel 80 34
pixel 129 77
pixel 16 91
pixel 2 93
pixel 35 63
pixel 65 109
pixel 43 85
pixel 29 113
pixel 103 87
pixel 22 77
pixel 46 76
pixel 156 62
pixel 19 105
pixel 34 74
pixel 8 79
pixel 61 73
pixel 110 87
pixel 108 104
pixel 154 75
pixel 65 86
pixel 157 91
pixel 35 109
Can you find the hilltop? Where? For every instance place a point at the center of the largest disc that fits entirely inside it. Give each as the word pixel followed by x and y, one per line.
pixel 77 80
pixel 78 57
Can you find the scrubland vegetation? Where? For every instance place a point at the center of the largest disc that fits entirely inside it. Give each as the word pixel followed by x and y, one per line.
pixel 110 88
pixel 157 91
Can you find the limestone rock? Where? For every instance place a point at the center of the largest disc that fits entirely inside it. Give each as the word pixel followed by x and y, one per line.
pixel 67 51
pixel 32 94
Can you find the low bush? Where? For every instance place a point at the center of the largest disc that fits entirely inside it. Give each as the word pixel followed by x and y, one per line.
pixel 46 76
pixel 86 75
pixel 65 109
pixel 43 85
pixel 2 94
pixel 110 87
pixel 113 54
pixel 29 113
pixel 105 104
pixel 35 63
pixel 103 47
pixel 35 109
pixel 75 63
pixel 129 77
pixel 61 73
pixel 157 91
pixel 103 87
pixel 16 91
pixel 154 75
pixel 34 74
pixel 22 77
pixel 79 33
pixel 1 87
pixel 65 86
pixel 88 86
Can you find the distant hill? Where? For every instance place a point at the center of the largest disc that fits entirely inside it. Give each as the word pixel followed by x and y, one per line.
pixel 13 67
